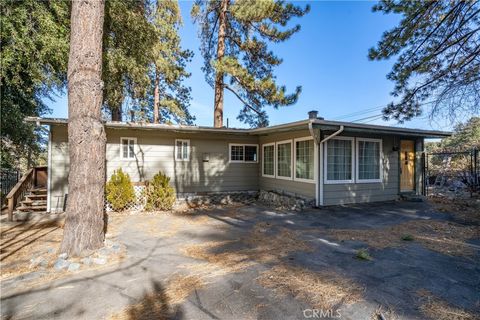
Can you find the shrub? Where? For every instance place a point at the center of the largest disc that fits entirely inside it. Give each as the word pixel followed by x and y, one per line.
pixel 119 190
pixel 160 195
pixel 363 254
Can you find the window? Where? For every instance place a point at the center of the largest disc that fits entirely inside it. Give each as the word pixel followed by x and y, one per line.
pixel 369 166
pixel 304 159
pixel 182 150
pixel 269 160
pixel 243 152
pixel 284 159
pixel 127 148
pixel 339 160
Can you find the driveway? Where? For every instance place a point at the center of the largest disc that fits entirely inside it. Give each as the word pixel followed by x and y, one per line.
pixel 401 259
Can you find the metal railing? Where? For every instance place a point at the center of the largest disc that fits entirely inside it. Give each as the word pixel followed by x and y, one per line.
pixel 8 180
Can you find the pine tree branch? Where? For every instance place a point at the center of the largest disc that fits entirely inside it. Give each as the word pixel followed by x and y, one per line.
pixel 241 99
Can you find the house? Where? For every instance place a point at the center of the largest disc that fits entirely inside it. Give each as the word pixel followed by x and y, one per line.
pixel 327 162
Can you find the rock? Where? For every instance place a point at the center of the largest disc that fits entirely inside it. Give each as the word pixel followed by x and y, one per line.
pixel 99 261
pixel 73 266
pixel 63 256
pixel 38 261
pixel 104 252
pixel 116 248
pixel 87 261
pixel 61 264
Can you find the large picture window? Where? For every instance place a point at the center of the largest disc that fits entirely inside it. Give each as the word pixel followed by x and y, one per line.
pixel 269 160
pixel 369 160
pixel 127 148
pixel 304 159
pixel 243 152
pixel 284 159
pixel 339 160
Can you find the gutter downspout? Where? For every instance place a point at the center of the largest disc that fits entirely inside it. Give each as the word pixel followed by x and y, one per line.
pixel 320 175
pixel 316 161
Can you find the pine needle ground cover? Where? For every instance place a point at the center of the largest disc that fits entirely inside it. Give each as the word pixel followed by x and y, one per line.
pixel 440 236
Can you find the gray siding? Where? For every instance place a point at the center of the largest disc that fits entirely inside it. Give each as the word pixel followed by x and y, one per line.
pixel 337 194
pixel 154 153
pixel 303 189
pixel 59 167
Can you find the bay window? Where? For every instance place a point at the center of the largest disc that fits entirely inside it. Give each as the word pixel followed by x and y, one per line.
pixel 284 159
pixel 304 159
pixel 339 160
pixel 269 160
pixel 369 160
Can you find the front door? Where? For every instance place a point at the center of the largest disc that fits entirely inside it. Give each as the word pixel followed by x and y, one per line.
pixel 407 166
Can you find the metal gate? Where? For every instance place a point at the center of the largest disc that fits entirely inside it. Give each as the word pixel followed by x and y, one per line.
pixel 8 179
pixel 452 171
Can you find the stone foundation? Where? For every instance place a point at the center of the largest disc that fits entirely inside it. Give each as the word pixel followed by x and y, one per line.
pixel 284 201
pixel 207 198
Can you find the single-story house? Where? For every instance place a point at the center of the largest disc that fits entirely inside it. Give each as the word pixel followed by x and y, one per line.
pixel 328 162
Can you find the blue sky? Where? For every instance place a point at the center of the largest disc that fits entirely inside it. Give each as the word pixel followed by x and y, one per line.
pixel 328 58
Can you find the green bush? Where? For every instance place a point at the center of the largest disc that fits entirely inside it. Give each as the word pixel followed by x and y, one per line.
pixel 119 190
pixel 160 195
pixel 363 254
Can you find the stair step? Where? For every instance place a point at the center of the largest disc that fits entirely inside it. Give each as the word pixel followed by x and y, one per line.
pixel 36 196
pixel 38 191
pixel 32 208
pixel 34 202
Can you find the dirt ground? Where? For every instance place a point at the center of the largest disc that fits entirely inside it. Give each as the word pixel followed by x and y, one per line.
pixel 417 261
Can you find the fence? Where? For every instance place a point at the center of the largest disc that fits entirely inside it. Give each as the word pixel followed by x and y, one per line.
pixel 9 179
pixel 452 171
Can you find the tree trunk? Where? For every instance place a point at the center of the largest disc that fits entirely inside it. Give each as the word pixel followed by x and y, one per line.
pixel 117 114
pixel 84 224
pixel 156 101
pixel 218 103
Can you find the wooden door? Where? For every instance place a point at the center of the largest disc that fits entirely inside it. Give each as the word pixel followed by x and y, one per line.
pixel 407 166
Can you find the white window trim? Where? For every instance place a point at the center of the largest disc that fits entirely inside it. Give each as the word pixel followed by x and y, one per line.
pixel 134 148
pixel 176 149
pixel 291 159
pixel 242 145
pixel 325 169
pixel 380 141
pixel 295 159
pixel 263 159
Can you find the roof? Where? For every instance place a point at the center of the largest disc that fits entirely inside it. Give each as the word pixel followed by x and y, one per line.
pixel 326 125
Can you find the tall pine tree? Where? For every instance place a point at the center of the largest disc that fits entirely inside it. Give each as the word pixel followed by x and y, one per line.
pixel 171 98
pixel 436 45
pixel 234 39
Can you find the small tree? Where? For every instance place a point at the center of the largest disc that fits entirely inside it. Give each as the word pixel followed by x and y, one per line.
pixel 120 191
pixel 160 195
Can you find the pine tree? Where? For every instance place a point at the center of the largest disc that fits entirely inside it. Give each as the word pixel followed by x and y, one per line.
pixel 437 48
pixel 127 44
pixel 171 97
pixel 84 223
pixel 234 39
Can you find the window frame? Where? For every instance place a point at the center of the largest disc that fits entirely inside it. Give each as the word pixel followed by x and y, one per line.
pixel 325 169
pixel 357 163
pixel 274 160
pixel 134 148
pixel 295 160
pixel 176 149
pixel 291 159
pixel 242 145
